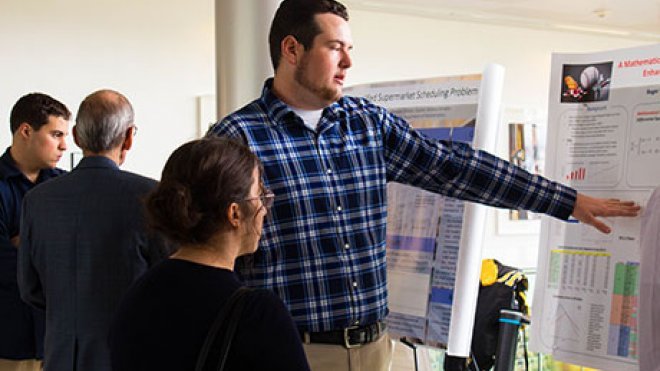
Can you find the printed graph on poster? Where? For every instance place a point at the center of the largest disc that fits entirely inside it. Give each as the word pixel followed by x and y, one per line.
pixel 586 82
pixel 575 174
pixel 594 172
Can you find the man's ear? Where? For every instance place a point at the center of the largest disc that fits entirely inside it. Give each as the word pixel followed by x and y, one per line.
pixel 234 215
pixel 24 130
pixel 75 136
pixel 290 50
pixel 128 139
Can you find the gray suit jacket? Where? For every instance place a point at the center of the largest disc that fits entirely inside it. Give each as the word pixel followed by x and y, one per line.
pixel 83 242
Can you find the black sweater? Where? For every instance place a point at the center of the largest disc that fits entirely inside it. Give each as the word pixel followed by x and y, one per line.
pixel 164 318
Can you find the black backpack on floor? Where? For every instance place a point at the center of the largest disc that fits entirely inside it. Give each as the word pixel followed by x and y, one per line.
pixel 501 287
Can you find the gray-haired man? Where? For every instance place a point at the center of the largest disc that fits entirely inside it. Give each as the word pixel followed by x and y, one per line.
pixel 84 238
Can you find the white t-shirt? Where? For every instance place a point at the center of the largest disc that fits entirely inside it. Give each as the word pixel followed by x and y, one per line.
pixel 310 118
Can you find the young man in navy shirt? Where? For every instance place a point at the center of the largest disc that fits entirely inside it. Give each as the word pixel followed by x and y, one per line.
pixel 39 126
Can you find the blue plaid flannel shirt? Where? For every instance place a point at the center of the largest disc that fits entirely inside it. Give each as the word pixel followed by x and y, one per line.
pixel 323 245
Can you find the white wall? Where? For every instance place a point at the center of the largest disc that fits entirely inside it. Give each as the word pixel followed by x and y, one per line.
pixel 396 47
pixel 160 54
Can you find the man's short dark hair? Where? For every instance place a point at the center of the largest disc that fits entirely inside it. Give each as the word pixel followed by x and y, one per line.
pixel 34 109
pixel 296 18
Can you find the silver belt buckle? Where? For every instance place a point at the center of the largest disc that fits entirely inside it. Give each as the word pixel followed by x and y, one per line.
pixel 347 342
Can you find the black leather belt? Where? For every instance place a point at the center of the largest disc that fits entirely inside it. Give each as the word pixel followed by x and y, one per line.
pixel 351 337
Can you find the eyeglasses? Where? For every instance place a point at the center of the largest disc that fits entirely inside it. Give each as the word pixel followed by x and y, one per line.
pixel 267 198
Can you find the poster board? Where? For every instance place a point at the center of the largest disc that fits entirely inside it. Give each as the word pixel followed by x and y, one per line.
pixel 425 230
pixel 604 140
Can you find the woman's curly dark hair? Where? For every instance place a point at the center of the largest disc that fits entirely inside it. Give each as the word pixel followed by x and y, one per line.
pixel 199 182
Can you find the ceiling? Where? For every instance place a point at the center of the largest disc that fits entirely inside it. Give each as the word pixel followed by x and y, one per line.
pixel 633 19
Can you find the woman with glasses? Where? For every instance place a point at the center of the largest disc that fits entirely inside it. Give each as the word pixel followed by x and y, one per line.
pixel 212 203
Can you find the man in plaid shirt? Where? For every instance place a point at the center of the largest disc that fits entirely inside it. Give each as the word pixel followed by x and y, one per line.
pixel 328 159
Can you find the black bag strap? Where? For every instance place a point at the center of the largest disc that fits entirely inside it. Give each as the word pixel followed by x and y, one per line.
pixel 215 350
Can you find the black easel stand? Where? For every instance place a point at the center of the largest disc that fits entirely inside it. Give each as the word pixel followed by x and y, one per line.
pixel 507 341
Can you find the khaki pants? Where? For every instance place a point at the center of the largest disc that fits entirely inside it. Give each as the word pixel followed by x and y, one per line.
pixel 375 356
pixel 25 365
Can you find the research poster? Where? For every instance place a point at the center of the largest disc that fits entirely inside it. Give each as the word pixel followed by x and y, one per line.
pixel 603 140
pixel 424 229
